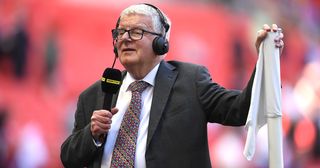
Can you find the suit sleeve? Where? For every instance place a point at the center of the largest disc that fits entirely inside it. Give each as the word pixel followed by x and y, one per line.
pixel 79 150
pixel 227 107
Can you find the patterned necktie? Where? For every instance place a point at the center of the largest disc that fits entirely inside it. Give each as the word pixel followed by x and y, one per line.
pixel 125 147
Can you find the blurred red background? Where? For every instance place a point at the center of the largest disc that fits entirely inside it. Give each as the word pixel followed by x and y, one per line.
pixel 68 45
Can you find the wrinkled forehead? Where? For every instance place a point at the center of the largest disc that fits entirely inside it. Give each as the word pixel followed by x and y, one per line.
pixel 136 21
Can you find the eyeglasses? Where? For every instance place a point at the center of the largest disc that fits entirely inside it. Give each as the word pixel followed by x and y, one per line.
pixel 134 34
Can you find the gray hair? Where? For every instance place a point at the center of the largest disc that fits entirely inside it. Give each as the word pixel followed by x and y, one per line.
pixel 149 11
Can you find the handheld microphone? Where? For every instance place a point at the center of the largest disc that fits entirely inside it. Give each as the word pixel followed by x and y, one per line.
pixel 110 84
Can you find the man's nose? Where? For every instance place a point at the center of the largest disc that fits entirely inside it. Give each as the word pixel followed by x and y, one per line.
pixel 126 36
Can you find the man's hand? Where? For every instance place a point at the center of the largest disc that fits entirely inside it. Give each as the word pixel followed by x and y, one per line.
pixel 101 122
pixel 262 34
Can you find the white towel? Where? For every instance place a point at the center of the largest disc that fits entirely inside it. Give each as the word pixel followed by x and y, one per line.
pixel 266 92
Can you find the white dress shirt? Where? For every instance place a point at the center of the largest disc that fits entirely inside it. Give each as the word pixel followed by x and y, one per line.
pixel 123 101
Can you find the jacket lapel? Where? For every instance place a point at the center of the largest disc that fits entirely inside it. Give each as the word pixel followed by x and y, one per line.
pixel 100 98
pixel 165 79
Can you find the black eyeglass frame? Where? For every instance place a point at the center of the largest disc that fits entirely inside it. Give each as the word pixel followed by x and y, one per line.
pixel 116 35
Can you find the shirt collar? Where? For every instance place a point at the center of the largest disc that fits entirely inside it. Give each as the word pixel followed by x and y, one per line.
pixel 149 78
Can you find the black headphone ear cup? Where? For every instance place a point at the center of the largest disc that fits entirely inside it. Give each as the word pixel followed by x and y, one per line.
pixel 160 45
pixel 115 50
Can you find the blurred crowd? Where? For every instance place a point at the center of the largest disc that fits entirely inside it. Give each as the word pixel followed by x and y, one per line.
pixel 300 72
pixel 31 84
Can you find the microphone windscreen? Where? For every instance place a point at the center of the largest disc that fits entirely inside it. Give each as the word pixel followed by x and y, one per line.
pixel 111 80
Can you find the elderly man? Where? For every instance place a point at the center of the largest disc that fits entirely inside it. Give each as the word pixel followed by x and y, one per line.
pixel 160 114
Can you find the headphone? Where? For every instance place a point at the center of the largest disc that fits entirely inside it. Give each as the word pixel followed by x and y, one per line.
pixel 160 44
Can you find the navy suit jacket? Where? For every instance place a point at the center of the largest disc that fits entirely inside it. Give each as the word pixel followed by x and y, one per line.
pixel 185 99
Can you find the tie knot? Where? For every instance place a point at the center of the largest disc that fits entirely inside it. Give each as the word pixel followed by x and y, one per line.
pixel 138 86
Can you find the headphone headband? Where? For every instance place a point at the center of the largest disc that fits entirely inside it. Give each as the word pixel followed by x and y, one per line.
pixel 163 19
pixel 160 44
